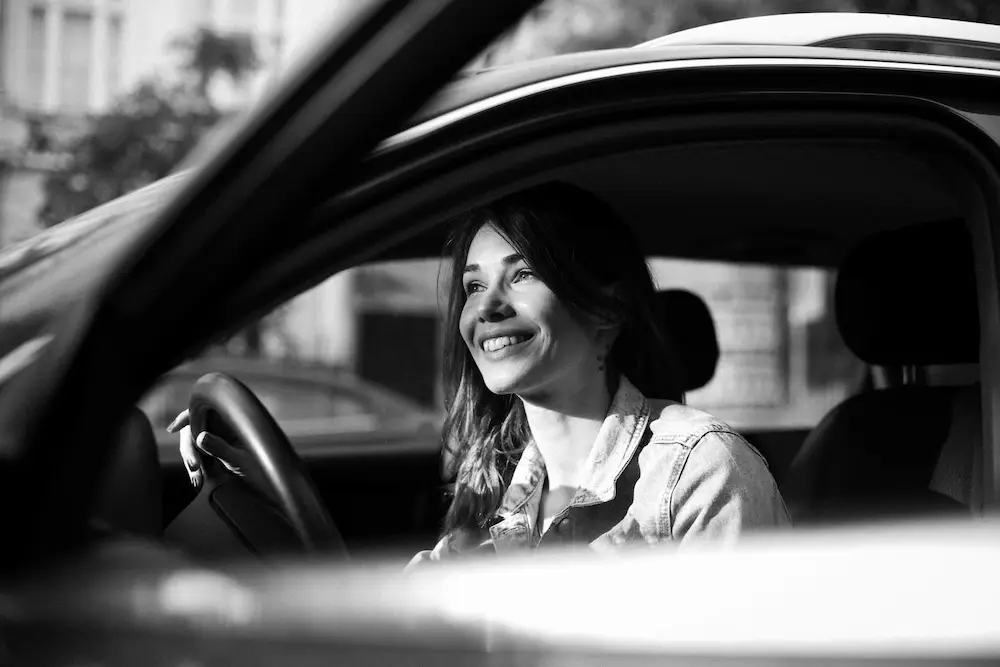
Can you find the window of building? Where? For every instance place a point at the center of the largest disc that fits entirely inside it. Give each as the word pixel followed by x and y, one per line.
pixel 203 11
pixel 35 83
pixel 75 61
pixel 243 15
pixel 277 39
pixel 114 71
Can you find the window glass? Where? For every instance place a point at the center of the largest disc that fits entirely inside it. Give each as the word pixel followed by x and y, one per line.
pixel 351 371
pixel 358 353
pixel 243 14
pixel 35 88
pixel 75 61
pixel 114 55
pixel 376 331
pixel 202 10
pixel 782 363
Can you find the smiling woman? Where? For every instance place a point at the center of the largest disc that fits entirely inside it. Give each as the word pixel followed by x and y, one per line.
pixel 564 409
pixel 565 422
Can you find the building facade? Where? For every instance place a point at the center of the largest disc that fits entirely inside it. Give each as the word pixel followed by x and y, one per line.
pixel 63 62
pixel 76 57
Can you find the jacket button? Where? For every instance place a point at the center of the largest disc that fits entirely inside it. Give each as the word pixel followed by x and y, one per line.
pixel 565 525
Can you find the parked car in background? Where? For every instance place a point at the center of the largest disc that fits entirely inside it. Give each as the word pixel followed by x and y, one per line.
pixel 319 409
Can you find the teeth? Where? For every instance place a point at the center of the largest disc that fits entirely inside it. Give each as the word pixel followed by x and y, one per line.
pixel 500 342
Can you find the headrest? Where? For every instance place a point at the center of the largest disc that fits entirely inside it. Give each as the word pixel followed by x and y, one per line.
pixel 907 297
pixel 692 330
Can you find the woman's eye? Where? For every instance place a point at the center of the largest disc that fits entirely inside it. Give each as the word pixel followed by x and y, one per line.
pixel 473 287
pixel 523 274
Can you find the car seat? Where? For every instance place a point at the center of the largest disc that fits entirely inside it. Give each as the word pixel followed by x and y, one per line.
pixel 692 331
pixel 905 300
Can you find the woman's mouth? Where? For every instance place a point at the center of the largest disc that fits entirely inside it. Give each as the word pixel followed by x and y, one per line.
pixel 498 343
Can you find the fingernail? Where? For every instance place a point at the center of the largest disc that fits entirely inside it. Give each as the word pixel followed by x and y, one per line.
pixel 192 465
pixel 201 437
pixel 172 425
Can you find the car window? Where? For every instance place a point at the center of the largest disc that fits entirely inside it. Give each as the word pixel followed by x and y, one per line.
pixel 782 363
pixel 358 353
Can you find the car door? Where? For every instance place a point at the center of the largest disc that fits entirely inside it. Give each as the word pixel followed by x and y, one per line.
pixel 106 318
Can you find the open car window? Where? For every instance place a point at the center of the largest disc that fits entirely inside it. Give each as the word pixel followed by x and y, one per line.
pixel 782 362
pixel 350 360
pixel 358 357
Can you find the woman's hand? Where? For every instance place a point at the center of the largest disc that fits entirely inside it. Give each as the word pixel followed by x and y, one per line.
pixel 237 461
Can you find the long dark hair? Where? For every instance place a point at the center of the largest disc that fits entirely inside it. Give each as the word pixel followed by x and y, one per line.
pixel 593 263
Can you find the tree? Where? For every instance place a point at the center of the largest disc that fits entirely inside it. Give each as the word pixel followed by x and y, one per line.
pixel 208 53
pixel 147 134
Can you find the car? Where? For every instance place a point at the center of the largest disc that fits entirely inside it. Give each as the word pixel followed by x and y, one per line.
pixel 318 408
pixel 882 166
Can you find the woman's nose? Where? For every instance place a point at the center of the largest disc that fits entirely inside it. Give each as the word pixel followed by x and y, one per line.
pixel 495 306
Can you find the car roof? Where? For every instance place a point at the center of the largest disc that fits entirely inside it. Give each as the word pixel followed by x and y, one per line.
pixel 471 90
pixel 835 28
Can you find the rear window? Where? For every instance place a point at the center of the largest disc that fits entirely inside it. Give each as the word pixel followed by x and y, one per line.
pixel 782 362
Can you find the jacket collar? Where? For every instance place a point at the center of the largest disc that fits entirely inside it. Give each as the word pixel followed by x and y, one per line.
pixel 616 442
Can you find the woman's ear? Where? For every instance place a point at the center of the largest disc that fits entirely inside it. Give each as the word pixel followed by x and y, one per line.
pixel 611 320
pixel 606 332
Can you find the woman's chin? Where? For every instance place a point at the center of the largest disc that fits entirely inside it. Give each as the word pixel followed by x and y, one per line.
pixel 502 388
pixel 503 384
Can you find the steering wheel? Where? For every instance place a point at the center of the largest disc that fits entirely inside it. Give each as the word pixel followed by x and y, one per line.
pixel 228 408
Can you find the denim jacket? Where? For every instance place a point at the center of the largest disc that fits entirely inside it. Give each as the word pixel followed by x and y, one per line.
pixel 659 472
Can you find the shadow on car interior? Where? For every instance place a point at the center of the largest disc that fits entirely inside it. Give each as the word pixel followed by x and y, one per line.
pixel 131 497
pixel 905 301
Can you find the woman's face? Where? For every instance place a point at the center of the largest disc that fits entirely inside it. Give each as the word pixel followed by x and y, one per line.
pixel 523 340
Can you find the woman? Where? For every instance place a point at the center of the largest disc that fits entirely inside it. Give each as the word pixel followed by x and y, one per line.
pixel 563 412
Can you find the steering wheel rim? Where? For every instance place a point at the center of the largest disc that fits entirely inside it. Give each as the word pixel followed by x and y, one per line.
pixel 249 421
